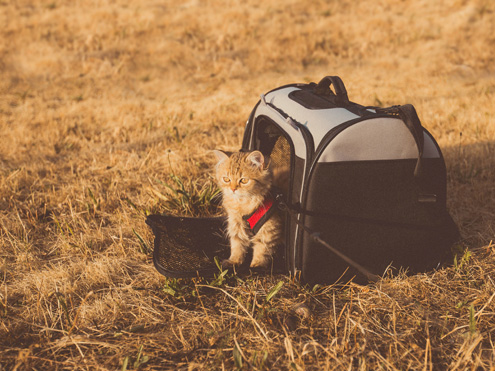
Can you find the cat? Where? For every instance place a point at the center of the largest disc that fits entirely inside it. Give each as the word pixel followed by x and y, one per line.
pixel 245 180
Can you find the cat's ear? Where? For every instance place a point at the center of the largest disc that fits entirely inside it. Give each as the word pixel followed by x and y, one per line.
pixel 257 159
pixel 221 155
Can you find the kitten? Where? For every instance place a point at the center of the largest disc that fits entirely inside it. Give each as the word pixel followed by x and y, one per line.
pixel 245 181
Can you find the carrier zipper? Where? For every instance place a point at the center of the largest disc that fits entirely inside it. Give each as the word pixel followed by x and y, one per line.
pixel 310 152
pixel 308 140
pixel 323 143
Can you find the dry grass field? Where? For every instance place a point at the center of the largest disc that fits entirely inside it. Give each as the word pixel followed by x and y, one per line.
pixel 101 101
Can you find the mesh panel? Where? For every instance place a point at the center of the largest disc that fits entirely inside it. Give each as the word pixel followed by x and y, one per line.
pixel 186 247
pixel 280 164
pixel 271 142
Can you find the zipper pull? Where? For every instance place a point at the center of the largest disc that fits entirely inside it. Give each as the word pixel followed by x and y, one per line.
pixel 292 123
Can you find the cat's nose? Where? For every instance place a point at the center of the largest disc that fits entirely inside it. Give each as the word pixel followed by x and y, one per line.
pixel 233 189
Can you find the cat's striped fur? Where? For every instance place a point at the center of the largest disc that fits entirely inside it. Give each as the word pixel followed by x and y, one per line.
pixel 245 180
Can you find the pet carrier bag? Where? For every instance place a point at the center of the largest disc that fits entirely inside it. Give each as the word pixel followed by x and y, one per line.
pixel 367 185
pixel 366 190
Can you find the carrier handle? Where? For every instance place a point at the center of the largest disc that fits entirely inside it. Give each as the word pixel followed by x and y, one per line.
pixel 323 88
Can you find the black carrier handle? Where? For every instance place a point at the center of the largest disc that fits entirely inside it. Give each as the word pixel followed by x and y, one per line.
pixel 323 88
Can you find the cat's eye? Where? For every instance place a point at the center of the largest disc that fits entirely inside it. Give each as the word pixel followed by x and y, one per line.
pixel 244 180
pixel 226 179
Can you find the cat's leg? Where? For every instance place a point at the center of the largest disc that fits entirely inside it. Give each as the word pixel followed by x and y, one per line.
pixel 239 242
pixel 262 255
pixel 238 249
pixel 265 243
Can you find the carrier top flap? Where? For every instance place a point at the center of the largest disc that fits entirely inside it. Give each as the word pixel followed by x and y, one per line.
pixel 318 121
pixel 290 128
pixel 368 136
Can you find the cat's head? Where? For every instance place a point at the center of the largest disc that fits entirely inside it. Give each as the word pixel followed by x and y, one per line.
pixel 242 174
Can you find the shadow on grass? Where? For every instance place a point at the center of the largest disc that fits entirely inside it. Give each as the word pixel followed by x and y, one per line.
pixel 471 191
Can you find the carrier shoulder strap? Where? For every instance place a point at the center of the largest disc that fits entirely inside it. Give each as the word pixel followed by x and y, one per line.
pixel 260 216
pixel 408 114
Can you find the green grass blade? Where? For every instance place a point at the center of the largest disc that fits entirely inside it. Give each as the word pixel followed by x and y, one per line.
pixel 274 291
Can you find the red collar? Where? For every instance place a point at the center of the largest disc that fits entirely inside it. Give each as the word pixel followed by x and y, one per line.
pixel 259 217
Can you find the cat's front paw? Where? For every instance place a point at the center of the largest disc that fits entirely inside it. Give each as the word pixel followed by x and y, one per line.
pixel 229 263
pixel 260 262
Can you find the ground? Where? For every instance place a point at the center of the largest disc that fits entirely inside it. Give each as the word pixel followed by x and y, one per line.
pixel 104 105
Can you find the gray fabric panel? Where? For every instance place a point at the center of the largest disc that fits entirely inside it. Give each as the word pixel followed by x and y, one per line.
pixel 318 121
pixel 294 133
pixel 376 139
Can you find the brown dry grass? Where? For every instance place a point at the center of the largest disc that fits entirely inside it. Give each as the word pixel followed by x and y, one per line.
pixel 99 99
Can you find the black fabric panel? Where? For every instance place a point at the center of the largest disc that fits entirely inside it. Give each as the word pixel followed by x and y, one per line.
pixel 371 211
pixel 312 101
pixel 308 98
pixel 375 247
pixel 379 190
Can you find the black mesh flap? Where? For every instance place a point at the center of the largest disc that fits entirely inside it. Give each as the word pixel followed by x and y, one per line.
pixel 186 247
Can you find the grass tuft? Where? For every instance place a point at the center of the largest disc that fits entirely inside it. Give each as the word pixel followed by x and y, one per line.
pixel 189 198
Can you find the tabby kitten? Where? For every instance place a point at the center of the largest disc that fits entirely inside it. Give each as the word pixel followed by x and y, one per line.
pixel 245 180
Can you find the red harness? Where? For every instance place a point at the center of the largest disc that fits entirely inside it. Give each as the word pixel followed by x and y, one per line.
pixel 261 215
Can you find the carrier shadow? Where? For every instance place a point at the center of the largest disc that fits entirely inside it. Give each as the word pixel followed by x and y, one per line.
pixel 471 191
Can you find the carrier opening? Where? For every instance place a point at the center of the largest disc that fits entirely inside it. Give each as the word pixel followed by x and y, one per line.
pixel 271 141
pixel 287 170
